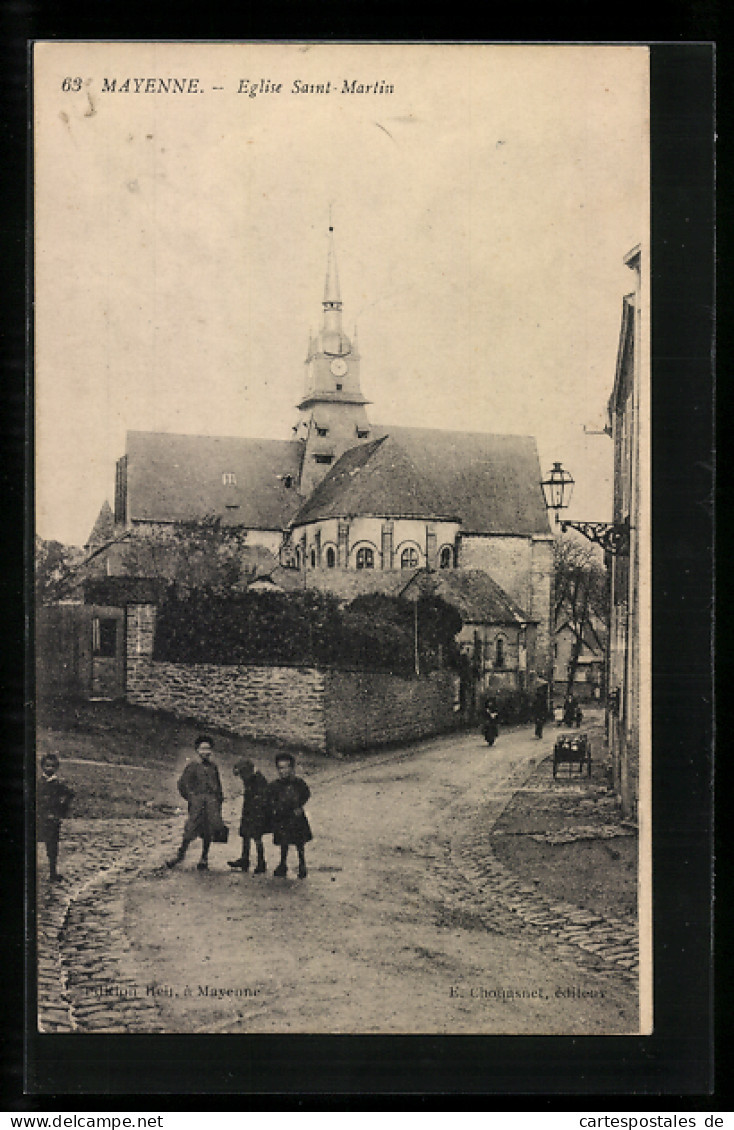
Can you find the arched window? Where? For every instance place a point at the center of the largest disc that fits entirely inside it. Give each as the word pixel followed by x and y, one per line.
pixel 330 558
pixel 365 558
pixel 499 652
pixel 313 558
pixel 446 559
pixel 409 558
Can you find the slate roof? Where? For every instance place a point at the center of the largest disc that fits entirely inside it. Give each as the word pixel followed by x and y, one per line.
pixel 377 478
pixel 103 530
pixel 490 483
pixel 345 584
pixel 475 595
pixel 178 478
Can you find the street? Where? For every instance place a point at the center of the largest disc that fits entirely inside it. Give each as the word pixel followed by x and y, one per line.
pixel 406 923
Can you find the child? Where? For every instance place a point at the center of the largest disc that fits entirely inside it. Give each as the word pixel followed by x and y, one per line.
pixel 53 800
pixel 201 787
pixel 255 816
pixel 287 795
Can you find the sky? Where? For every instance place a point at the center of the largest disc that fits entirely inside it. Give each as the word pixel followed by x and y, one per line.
pixel 482 211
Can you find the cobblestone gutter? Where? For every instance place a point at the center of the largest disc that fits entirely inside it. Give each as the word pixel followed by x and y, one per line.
pixel 497 891
pixel 81 944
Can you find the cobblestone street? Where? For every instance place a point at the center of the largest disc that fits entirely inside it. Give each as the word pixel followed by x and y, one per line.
pixel 407 922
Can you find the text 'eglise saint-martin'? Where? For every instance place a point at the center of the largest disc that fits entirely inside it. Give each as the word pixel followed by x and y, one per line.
pixel 251 87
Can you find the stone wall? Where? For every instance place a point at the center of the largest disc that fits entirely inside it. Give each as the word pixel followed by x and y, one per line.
pixel 326 711
pixel 367 708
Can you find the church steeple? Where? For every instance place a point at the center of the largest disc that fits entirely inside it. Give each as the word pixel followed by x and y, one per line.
pixel 332 296
pixel 332 412
pixel 333 340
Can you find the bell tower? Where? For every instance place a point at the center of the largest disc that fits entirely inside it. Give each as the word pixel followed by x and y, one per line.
pixel 332 415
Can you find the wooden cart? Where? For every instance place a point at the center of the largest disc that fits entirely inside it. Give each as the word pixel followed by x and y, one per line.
pixel 572 749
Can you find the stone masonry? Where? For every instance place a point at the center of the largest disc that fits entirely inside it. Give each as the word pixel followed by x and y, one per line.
pixel 324 711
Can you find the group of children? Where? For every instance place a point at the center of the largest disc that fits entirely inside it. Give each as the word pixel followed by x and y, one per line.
pixel 275 807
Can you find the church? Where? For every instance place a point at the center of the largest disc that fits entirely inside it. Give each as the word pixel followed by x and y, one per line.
pixel 350 506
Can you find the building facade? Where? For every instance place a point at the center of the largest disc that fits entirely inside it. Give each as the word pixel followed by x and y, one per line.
pixel 624 671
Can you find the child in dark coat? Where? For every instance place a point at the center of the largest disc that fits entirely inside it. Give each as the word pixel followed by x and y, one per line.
pixel 201 788
pixel 255 820
pixel 53 801
pixel 287 795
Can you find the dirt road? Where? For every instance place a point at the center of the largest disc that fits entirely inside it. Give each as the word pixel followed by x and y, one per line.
pixel 384 934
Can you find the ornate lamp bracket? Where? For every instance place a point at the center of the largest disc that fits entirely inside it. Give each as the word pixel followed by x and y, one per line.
pixel 612 537
pixel 557 487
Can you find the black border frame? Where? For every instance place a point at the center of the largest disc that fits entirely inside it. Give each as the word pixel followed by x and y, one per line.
pixel 677 1060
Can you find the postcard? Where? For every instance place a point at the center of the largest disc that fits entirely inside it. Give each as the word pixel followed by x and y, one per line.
pixel 342 427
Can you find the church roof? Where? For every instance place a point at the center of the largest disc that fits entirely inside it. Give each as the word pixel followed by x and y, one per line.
pixel 103 530
pixel 490 483
pixel 474 594
pixel 377 478
pixel 179 478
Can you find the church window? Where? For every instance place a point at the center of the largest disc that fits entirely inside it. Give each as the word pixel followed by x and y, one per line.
pixel 313 558
pixel 409 558
pixel 229 479
pixel 446 559
pixel 321 431
pixel 330 558
pixel 499 652
pixel 338 387
pixel 323 458
pixel 288 481
pixel 365 558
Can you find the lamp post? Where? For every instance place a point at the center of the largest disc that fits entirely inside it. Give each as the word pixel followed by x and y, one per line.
pixel 557 487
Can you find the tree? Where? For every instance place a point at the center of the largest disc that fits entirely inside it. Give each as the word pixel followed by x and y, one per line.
pixel 194 555
pixel 55 566
pixel 581 595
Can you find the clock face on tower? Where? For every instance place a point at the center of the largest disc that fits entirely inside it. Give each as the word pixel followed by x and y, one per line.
pixel 338 366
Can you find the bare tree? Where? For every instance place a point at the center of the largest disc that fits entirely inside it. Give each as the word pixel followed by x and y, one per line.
pixel 581 595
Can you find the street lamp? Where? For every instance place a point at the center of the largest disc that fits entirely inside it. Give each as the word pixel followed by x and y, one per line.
pixel 557 487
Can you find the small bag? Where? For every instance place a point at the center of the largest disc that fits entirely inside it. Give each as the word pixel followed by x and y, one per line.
pixel 220 834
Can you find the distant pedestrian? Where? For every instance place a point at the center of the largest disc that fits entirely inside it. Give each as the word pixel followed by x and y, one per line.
pixel 287 795
pixel 53 801
pixel 490 721
pixel 540 710
pixel 201 786
pixel 255 819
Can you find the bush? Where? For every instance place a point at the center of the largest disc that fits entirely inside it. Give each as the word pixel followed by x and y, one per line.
pixel 376 631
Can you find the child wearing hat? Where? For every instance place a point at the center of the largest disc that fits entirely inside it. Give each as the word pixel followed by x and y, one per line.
pixel 288 794
pixel 255 819
pixel 201 788
pixel 53 801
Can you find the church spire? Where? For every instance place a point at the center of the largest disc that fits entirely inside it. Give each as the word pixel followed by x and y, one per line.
pixel 333 340
pixel 333 415
pixel 332 295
